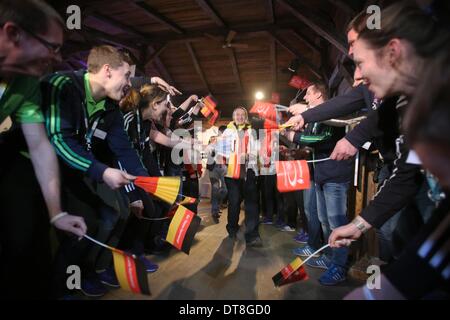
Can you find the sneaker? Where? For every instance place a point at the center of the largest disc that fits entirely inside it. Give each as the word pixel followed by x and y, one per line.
pixel 108 277
pixel 305 251
pixel 287 229
pixel 280 224
pixel 302 237
pixel 320 263
pixel 266 220
pixel 149 266
pixel 334 275
pixel 254 243
pixel 92 287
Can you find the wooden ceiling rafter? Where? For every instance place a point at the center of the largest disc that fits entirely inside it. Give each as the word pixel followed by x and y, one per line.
pixel 297 54
pixel 327 35
pixel 211 12
pixel 155 15
pixel 197 65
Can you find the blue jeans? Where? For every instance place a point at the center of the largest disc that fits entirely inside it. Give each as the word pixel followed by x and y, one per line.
pixel 312 217
pixel 332 209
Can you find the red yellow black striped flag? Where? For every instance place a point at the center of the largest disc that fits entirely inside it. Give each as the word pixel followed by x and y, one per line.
pixel 164 188
pixel 209 105
pixel 182 229
pixel 130 272
pixel 293 272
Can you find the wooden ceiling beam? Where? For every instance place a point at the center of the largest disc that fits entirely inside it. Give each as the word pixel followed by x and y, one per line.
pixel 118 24
pixel 296 53
pixel 155 55
pixel 197 65
pixel 314 26
pixel 211 12
pixel 160 67
pixel 307 41
pixel 344 6
pixel 199 34
pixel 270 11
pixel 153 14
pixel 273 64
pixel 235 68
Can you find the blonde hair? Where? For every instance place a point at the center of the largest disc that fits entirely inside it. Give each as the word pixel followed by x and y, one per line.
pixel 101 55
pixel 245 111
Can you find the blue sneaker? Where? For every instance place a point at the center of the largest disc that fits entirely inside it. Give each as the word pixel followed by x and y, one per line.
pixel 266 221
pixel 334 275
pixel 149 266
pixel 92 287
pixel 302 237
pixel 305 251
pixel 280 224
pixel 321 263
pixel 108 277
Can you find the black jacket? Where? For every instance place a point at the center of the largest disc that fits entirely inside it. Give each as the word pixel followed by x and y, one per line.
pixel 64 108
pixel 400 188
pixel 359 98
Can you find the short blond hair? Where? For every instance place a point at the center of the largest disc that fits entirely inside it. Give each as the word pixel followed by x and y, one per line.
pixel 101 55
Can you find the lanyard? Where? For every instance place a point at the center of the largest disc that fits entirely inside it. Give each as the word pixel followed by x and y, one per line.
pixel 90 132
pixel 139 130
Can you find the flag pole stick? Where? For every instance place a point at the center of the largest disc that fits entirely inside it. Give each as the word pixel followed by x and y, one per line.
pixel 316 252
pixel 99 243
pixel 108 247
pixel 318 160
pixel 155 219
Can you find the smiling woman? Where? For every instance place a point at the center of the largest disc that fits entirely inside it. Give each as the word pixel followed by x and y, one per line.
pixel 391 58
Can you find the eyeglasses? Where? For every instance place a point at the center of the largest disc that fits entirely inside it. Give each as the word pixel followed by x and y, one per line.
pixel 53 47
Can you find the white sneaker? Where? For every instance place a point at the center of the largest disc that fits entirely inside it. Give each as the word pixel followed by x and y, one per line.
pixel 287 228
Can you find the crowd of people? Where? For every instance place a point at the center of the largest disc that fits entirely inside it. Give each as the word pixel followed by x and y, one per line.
pixel 73 142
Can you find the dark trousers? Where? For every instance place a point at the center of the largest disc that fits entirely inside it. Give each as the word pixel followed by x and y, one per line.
pixel 136 230
pixel 105 212
pixel 270 195
pixel 247 189
pixel 25 255
pixel 190 189
pixel 288 209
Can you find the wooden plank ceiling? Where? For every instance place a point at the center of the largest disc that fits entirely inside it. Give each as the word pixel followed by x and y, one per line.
pixel 183 42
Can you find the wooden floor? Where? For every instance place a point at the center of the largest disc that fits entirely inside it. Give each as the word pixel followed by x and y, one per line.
pixel 220 268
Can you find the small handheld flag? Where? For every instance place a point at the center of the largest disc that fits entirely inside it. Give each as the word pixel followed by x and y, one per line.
pixel 130 271
pixel 164 188
pixel 261 123
pixel 293 272
pixel 267 110
pixel 299 83
pixel 292 175
pixel 182 229
pixel 209 105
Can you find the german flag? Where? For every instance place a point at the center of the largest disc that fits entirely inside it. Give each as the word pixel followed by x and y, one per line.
pixel 209 106
pixel 164 188
pixel 214 117
pixel 130 272
pixel 235 170
pixel 182 229
pixel 293 272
